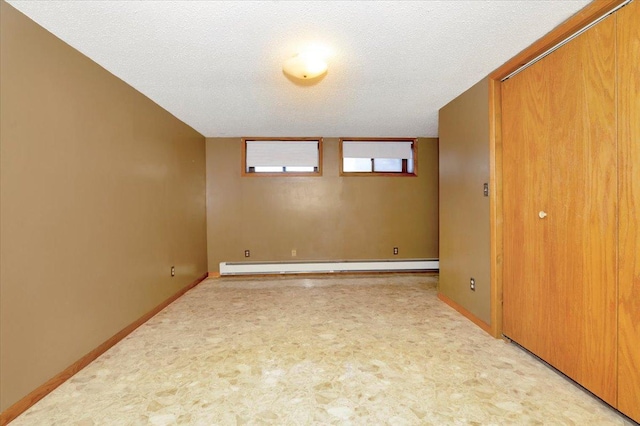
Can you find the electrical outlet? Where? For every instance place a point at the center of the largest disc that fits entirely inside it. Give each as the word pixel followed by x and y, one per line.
pixel 294 253
pixel 173 271
pixel 247 253
pixel 395 251
pixel 472 284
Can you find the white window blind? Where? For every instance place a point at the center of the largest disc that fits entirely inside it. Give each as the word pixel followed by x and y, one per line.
pixel 383 149
pixel 282 153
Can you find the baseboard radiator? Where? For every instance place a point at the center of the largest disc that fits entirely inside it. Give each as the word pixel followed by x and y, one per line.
pixel 301 267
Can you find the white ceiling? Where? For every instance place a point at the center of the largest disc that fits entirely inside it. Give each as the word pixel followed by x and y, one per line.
pixel 217 65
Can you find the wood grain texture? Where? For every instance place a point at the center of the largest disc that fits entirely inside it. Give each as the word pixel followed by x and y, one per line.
pixel 559 129
pixel 474 319
pixel 22 405
pixel 495 205
pixel 588 14
pixel 526 181
pixel 628 55
pixel 583 223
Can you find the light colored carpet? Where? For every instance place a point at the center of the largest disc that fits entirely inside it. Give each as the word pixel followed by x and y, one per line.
pixel 332 350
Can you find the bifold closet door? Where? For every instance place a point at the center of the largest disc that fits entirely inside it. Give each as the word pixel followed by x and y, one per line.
pixel 560 209
pixel 526 183
pixel 629 177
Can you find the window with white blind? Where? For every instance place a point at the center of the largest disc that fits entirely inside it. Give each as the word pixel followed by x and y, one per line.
pixel 381 157
pixel 282 156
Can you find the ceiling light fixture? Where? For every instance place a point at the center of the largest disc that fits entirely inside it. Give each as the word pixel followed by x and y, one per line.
pixel 306 65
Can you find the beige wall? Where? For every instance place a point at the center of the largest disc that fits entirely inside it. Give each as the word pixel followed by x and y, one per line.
pixel 101 192
pixel 464 211
pixel 323 218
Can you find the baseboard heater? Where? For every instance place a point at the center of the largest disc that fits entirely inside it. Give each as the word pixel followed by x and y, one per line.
pixel 301 267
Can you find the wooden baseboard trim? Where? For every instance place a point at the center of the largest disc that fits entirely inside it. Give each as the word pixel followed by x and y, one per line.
pixel 474 319
pixel 43 390
pixel 214 274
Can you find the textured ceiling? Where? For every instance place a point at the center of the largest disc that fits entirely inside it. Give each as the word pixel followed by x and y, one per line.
pixel 217 65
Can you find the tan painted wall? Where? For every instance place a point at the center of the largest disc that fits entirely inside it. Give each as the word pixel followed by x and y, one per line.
pixel 464 211
pixel 323 218
pixel 101 192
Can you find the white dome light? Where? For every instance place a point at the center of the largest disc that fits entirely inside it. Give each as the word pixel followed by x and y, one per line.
pixel 306 65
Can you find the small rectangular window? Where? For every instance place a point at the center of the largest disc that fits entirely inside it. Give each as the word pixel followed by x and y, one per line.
pixel 378 157
pixel 282 156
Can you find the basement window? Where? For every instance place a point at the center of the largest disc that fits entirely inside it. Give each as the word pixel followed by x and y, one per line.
pixel 282 157
pixel 378 157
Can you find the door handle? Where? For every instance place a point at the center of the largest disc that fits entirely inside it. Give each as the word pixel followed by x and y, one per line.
pixel 542 214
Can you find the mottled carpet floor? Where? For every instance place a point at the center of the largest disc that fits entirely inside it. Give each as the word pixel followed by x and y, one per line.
pixel 363 350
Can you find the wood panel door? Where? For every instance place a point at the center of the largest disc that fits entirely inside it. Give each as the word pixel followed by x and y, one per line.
pixel 560 209
pixel 628 45
pixel 526 182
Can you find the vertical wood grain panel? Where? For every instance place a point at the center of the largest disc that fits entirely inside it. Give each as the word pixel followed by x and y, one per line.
pixel 526 179
pixel 583 209
pixel 628 50
pixel 559 156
